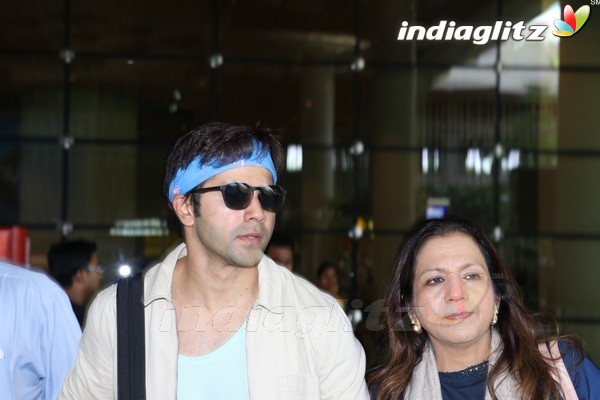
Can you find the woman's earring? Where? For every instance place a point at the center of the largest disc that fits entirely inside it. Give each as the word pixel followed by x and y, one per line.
pixel 416 327
pixel 495 319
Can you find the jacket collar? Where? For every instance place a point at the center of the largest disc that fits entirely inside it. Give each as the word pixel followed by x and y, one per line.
pixel 269 286
pixel 160 278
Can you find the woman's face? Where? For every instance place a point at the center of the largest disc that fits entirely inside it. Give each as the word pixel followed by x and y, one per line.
pixel 328 281
pixel 453 297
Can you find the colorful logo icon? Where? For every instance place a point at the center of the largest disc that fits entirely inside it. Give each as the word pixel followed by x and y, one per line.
pixel 573 21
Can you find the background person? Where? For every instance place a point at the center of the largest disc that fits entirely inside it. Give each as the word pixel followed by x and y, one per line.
pixel 74 265
pixel 223 321
pixel 39 335
pixel 458 327
pixel 327 280
pixel 281 250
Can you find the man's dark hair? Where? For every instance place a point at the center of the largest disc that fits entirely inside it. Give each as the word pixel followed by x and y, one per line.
pixel 281 240
pixel 66 258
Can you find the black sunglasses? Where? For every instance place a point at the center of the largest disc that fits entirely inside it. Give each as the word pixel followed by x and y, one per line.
pixel 238 195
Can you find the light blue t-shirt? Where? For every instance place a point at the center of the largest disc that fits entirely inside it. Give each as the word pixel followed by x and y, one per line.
pixel 219 375
pixel 39 335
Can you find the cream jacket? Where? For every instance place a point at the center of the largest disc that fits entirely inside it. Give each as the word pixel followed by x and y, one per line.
pixel 299 342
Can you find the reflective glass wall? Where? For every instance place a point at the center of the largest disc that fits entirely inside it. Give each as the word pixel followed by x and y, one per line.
pixel 380 132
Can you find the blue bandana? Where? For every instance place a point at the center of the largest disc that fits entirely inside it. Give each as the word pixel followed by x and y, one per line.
pixel 197 172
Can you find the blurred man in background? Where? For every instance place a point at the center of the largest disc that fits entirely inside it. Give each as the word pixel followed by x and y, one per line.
pixel 75 267
pixel 281 250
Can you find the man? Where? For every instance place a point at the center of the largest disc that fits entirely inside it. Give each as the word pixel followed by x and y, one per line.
pixel 74 265
pixel 281 250
pixel 223 321
pixel 38 335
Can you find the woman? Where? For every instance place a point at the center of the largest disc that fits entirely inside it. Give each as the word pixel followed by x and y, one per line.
pixel 459 329
pixel 327 281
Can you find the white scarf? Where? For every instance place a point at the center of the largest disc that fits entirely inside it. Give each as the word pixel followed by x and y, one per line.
pixel 425 382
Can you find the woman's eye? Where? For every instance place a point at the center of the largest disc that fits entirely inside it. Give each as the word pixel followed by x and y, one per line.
pixel 471 276
pixel 435 281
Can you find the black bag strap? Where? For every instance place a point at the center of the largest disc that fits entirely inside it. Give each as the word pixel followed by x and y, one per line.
pixel 131 364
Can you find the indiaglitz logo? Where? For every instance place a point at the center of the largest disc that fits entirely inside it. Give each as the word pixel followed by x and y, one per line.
pixel 501 30
pixel 572 22
pixel 445 30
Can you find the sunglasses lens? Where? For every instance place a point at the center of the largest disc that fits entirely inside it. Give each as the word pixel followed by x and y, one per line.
pixel 237 196
pixel 271 198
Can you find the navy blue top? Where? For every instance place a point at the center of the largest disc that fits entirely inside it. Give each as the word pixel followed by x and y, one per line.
pixel 585 376
pixel 470 383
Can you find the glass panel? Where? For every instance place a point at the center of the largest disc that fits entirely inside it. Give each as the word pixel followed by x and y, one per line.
pixel 288 30
pixel 374 274
pixel 435 108
pixel 383 22
pixel 142 28
pixel 397 189
pixel 529 109
pixel 530 53
pixel 520 196
pixel 320 197
pixel 534 93
pixel 31 101
pixel 10 196
pixel 569 196
pixel 577 111
pixel 562 288
pixel 116 182
pixel 143 100
pixel 434 182
pixel 103 182
pixel 150 173
pixel 587 329
pixel 40 241
pixel 312 105
pixel 30 183
pixel 563 291
pixel 522 257
pixel 31 25
pixel 465 180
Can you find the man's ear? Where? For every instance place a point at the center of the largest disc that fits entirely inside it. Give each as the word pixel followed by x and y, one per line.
pixel 79 275
pixel 184 209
